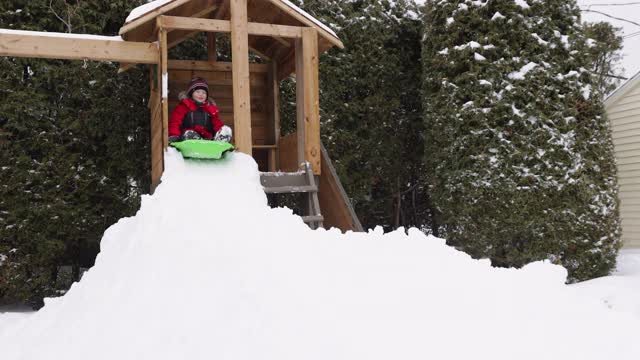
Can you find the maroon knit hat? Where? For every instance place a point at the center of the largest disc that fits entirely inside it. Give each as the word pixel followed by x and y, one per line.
pixel 197 83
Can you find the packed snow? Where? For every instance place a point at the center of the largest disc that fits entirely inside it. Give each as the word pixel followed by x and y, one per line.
pixel 201 274
pixel 520 74
pixel 479 57
pixel 470 44
pixel 497 16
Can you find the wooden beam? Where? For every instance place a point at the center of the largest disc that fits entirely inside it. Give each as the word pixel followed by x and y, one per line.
pixel 240 64
pixel 125 67
pixel 75 47
pixel 217 66
pixel 205 12
pixel 273 30
pixel 282 41
pixel 195 24
pixel 212 52
pixel 176 37
pixel 311 98
pixel 215 25
pixel 164 81
pixel 334 202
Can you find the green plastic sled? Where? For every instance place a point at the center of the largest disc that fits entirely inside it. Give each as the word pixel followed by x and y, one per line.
pixel 202 149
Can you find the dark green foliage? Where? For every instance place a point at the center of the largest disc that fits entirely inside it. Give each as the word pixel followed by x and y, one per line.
pixel 520 166
pixel 371 109
pixel 74 145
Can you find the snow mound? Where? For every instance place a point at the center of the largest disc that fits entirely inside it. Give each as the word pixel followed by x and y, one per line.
pixel 206 270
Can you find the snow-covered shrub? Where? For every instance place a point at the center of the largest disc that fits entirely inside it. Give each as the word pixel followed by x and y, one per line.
pixel 519 152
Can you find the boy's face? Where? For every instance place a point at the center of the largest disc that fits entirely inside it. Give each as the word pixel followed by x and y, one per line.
pixel 199 95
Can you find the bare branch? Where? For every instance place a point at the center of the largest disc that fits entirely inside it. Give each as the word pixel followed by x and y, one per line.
pixel 610 16
pixel 615 76
pixel 67 23
pixel 616 4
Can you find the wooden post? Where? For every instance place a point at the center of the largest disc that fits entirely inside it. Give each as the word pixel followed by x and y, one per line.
pixel 157 148
pixel 241 85
pixel 300 128
pixel 273 106
pixel 164 83
pixel 211 47
pixel 308 98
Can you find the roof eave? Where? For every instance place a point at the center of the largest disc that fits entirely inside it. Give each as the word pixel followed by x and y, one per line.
pixel 621 91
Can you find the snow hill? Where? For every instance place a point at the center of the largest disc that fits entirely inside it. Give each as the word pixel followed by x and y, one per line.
pixel 206 270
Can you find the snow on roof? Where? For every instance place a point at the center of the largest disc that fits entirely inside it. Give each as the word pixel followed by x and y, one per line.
pixel 60 35
pixel 144 9
pixel 306 14
pixel 149 7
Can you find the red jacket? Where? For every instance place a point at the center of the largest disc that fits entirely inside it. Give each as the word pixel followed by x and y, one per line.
pixel 187 105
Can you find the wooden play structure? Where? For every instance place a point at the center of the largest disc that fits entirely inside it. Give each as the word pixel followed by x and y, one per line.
pixel 287 40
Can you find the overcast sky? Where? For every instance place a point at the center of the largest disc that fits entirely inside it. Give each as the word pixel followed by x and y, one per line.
pixel 624 9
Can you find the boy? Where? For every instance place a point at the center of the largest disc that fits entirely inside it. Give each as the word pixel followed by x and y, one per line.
pixel 197 116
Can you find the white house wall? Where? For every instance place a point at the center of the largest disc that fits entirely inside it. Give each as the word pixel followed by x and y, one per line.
pixel 623 111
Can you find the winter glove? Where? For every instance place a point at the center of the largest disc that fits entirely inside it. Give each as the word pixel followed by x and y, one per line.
pixel 203 132
pixel 174 139
pixel 224 134
pixel 191 135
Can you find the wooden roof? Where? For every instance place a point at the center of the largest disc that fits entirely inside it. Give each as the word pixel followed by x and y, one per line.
pixel 282 12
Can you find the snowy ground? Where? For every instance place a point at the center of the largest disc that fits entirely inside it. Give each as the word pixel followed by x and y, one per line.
pixel 620 292
pixel 184 280
pixel 10 315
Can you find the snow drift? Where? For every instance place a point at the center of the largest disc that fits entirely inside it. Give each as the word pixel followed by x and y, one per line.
pixel 201 273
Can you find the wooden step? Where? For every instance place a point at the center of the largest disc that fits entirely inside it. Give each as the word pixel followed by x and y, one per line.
pixel 308 219
pixel 291 189
pixel 276 180
pixel 302 181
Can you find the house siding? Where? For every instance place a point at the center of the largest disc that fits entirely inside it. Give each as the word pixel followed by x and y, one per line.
pixel 624 115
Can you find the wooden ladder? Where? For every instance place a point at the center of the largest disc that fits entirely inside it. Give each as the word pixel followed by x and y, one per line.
pixel 302 181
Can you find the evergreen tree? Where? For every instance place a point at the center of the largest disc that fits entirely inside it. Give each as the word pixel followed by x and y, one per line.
pixel 74 145
pixel 370 107
pixel 604 46
pixel 519 152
